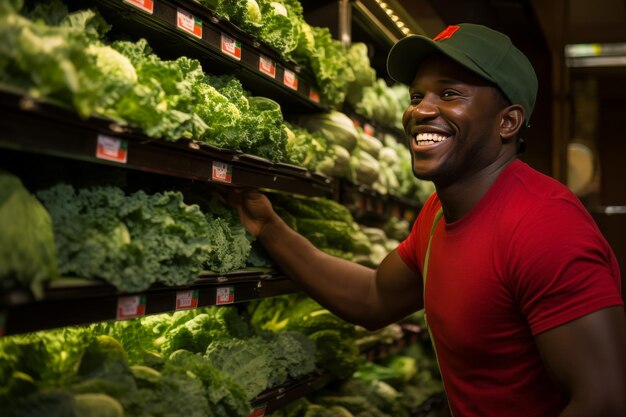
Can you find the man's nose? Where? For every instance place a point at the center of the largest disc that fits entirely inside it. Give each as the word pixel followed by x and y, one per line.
pixel 425 109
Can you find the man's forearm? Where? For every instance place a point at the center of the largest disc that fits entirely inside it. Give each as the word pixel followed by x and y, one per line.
pixel 342 286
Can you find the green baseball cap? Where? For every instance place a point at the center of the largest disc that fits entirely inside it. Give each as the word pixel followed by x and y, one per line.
pixel 482 50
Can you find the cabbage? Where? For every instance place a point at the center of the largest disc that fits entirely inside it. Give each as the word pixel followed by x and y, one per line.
pixel 334 126
pixel 27 248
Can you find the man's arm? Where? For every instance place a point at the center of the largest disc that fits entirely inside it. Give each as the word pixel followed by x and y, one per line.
pixel 587 357
pixel 361 295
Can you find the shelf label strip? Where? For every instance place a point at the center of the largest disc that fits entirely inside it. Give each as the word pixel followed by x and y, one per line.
pixel 186 300
pixel 225 295
pixel 130 307
pixel 111 149
pixel 187 22
pixel 231 47
pixel 145 5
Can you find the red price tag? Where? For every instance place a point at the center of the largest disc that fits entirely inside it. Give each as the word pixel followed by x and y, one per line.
pixel 225 295
pixel 130 307
pixel 189 23
pixel 409 215
pixel 267 66
pixel 290 79
pixel 222 172
pixel 231 47
pixel 145 5
pixel 259 411
pixel 112 149
pixel 314 95
pixel 368 129
pixel 186 300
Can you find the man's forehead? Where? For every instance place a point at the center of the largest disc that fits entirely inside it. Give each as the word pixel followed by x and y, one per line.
pixel 446 71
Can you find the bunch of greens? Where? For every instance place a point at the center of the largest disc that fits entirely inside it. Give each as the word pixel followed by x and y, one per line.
pixel 326 223
pixel 265 361
pixel 51 53
pixel 27 250
pixel 328 60
pixel 303 148
pixel 77 372
pixel 133 241
pixel 336 350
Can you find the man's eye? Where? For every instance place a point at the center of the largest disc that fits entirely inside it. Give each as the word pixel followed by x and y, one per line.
pixel 449 93
pixel 416 97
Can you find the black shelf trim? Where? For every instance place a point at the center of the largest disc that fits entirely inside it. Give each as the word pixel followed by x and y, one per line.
pixel 34 126
pixel 72 302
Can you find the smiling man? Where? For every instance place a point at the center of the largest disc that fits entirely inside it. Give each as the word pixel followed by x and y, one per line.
pixel 521 291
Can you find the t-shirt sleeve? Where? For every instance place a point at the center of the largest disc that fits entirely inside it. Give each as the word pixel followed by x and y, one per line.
pixel 560 266
pixel 408 250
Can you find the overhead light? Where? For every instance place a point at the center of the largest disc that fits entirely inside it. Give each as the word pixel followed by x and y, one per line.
pixel 595 54
pixel 400 24
pixel 406 30
pixel 394 18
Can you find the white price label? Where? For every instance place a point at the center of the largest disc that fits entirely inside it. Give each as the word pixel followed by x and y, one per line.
pixel 132 306
pixel 112 149
pixel 267 66
pixel 186 300
pixel 290 79
pixel 189 23
pixel 225 295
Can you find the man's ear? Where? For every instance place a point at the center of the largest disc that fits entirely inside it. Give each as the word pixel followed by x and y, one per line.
pixel 512 121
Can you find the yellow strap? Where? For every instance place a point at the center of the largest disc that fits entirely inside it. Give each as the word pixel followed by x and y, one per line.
pixel 424 273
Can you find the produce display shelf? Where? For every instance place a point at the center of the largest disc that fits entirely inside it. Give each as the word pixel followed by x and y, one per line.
pixel 73 301
pixel 411 334
pixel 368 204
pixel 434 402
pixel 175 28
pixel 278 397
pixel 30 125
pixel 374 128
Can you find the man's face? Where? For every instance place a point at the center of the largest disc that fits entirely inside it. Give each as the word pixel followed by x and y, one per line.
pixel 452 122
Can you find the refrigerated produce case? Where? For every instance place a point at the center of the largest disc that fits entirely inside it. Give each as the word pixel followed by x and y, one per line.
pixel 37 135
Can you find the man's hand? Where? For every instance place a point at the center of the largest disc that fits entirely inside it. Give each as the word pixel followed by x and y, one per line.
pixel 255 209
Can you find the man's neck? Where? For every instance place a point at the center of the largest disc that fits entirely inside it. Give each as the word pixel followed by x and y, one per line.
pixel 458 198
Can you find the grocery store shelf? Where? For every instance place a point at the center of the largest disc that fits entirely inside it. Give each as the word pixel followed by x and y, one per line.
pixel 279 397
pixel 70 301
pixel 411 334
pixel 367 204
pixel 434 402
pixel 34 126
pixel 219 45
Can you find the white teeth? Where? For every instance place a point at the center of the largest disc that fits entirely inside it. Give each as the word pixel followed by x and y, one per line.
pixel 429 138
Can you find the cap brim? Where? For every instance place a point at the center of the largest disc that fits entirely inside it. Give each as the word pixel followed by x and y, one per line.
pixel 408 53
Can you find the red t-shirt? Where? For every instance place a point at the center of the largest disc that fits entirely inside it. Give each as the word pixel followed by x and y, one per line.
pixel 527 258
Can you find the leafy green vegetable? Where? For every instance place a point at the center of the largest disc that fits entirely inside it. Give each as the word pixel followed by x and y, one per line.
pixel 314 208
pixel 226 398
pixel 327 58
pixel 334 126
pixel 97 405
pixel 281 25
pixel 27 248
pixel 303 148
pixel 335 348
pixel 133 241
